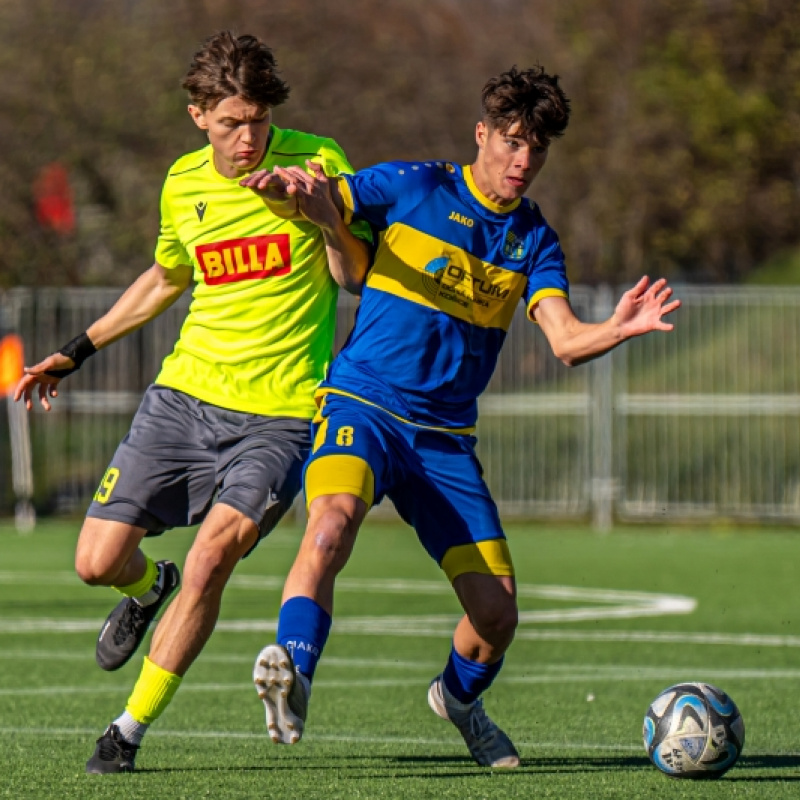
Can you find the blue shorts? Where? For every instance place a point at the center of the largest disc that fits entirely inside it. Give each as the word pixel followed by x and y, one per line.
pixel 433 477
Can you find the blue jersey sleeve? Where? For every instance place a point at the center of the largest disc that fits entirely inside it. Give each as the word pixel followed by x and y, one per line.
pixel 385 192
pixel 548 274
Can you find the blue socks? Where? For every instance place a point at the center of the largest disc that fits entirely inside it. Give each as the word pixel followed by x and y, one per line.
pixel 467 680
pixel 303 628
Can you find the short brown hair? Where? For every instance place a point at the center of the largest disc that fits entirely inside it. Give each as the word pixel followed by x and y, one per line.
pixel 234 66
pixel 530 97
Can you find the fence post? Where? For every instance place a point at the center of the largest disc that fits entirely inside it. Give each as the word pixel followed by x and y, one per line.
pixel 603 483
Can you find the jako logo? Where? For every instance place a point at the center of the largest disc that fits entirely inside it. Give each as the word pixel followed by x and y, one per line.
pixel 462 219
pixel 245 259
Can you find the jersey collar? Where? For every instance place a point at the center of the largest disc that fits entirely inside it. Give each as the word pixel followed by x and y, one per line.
pixel 482 198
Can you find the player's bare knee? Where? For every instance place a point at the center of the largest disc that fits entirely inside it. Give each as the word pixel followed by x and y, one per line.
pixel 330 537
pixel 95 569
pixel 105 550
pixel 497 623
pixel 207 570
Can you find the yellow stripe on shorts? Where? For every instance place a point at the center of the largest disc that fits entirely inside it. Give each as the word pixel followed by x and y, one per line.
pixel 490 557
pixel 337 474
pixel 322 432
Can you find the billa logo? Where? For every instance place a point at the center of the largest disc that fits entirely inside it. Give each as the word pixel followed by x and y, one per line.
pixel 245 259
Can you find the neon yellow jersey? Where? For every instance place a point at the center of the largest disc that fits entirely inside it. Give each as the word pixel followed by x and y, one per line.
pixel 259 333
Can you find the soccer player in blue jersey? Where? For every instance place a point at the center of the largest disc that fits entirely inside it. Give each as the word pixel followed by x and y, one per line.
pixel 460 247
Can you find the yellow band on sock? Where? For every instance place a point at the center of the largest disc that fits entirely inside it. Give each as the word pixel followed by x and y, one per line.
pixel 144 584
pixel 152 693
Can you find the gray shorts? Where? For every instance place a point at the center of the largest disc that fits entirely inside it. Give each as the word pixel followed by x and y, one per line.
pixel 182 455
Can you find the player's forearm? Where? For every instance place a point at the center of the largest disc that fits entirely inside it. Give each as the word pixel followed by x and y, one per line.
pixel 582 341
pixel 348 257
pixel 143 300
pixel 284 208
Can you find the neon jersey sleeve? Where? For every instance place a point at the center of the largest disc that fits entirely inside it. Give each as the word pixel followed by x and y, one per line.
pixel 548 276
pixel 170 253
pixel 332 158
pixel 382 193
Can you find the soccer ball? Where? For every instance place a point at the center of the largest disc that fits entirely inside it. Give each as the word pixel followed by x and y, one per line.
pixel 693 730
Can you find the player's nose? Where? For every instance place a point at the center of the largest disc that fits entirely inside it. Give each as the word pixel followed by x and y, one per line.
pixel 523 159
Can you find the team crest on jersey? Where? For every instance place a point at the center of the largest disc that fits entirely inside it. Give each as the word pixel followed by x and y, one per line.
pixel 245 259
pixel 200 207
pixel 514 248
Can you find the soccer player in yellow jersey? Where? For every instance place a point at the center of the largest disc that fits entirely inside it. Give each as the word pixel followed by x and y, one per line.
pixel 221 436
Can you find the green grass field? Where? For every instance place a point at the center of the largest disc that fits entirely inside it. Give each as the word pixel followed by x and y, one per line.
pixel 589 657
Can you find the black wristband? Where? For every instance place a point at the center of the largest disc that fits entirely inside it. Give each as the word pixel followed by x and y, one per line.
pixel 79 349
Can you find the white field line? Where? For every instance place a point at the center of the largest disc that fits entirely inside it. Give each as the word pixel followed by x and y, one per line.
pixel 318 737
pixel 543 673
pixel 383 586
pixel 608 604
pixel 87 655
pixel 418 627
pixel 623 674
pixel 443 742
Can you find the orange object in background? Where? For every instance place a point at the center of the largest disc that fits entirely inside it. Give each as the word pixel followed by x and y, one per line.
pixel 12 361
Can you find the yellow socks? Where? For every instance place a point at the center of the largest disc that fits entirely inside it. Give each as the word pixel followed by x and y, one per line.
pixel 144 584
pixel 152 692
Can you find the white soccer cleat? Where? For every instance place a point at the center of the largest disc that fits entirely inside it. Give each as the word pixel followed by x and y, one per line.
pixel 487 744
pixel 284 693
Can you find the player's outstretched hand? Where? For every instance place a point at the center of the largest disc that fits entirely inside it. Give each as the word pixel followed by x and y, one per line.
pixel 642 309
pixel 37 376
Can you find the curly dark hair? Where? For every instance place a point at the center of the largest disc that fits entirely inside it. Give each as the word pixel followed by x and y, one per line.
pixel 234 66
pixel 530 97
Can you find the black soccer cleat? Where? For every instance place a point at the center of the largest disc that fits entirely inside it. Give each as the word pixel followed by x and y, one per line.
pixel 126 626
pixel 112 754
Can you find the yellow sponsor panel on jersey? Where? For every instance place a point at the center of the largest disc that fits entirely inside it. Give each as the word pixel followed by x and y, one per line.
pixel 428 271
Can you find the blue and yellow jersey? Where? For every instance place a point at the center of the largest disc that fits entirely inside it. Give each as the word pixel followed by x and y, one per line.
pixel 450 270
pixel 259 333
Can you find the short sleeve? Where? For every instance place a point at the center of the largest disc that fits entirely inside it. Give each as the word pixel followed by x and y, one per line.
pixel 548 276
pixel 382 193
pixel 170 253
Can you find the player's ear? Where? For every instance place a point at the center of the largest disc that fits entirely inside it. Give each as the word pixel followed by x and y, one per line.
pixel 199 117
pixel 481 133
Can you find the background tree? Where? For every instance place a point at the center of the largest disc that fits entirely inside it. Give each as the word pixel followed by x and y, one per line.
pixel 682 158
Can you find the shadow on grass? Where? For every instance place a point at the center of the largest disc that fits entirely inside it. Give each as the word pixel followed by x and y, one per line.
pixel 359 767
pixel 574 764
pixel 765 762
pixel 549 763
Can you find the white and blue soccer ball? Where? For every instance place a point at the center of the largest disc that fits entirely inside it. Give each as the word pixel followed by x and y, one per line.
pixel 693 730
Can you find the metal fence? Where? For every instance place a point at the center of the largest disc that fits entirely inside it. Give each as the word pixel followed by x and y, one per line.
pixel 702 423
